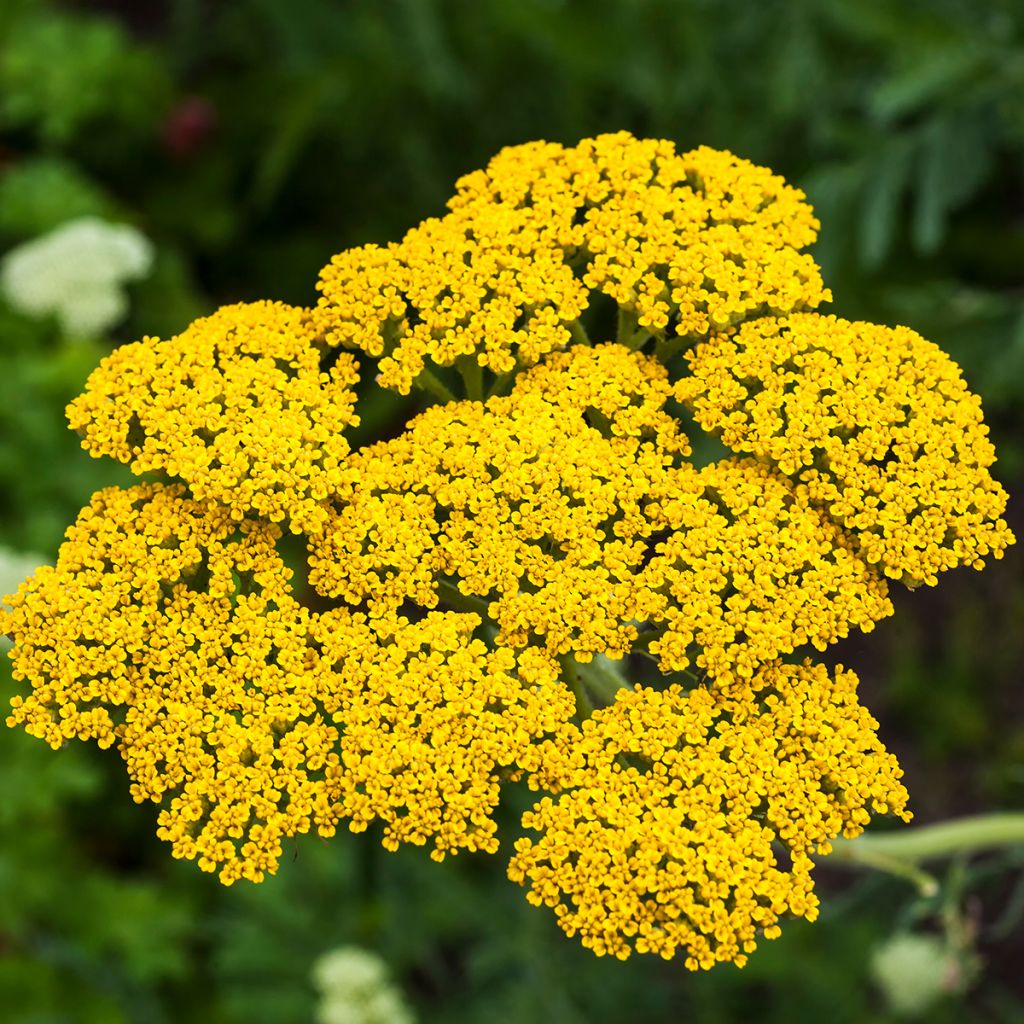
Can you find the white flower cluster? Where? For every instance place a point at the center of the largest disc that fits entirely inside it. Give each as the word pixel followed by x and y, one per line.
pixel 916 971
pixel 356 988
pixel 77 272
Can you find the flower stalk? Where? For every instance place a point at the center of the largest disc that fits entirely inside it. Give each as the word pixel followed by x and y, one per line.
pixel 900 853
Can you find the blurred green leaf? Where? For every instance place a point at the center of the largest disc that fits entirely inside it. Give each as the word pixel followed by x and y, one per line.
pixel 59 73
pixel 884 191
pixel 931 75
pixel 41 193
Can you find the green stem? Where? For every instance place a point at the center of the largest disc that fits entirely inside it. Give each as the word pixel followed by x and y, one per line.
pixel 843 853
pixel 472 378
pixel 644 640
pixel 900 852
pixel 626 327
pixel 501 382
pixel 668 348
pixel 579 332
pixel 428 382
pixel 945 838
pixel 602 678
pixel 450 594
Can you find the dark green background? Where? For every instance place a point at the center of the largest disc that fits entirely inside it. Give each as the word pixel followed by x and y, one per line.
pixel 252 139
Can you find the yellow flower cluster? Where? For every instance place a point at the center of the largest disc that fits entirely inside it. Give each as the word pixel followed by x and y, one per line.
pixel 236 406
pixel 534 501
pixel 685 243
pixel 431 722
pixel 687 820
pixel 751 571
pixel 875 423
pixel 171 631
pixel 468 580
pixel 568 509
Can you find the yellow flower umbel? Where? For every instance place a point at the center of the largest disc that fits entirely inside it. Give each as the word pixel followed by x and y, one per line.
pixel 876 424
pixel 534 501
pixel 470 586
pixel 431 722
pixel 678 812
pixel 237 406
pixel 169 630
pixel 684 244
pixel 751 570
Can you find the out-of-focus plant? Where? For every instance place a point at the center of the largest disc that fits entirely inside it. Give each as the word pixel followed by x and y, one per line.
pixel 59 75
pixel 355 988
pixel 76 272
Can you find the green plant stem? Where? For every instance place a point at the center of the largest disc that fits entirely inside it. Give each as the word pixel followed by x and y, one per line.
pixel 666 349
pixel 901 852
pixel 451 595
pixel 472 378
pixel 579 332
pixel 644 640
pixel 626 327
pixel 945 838
pixel 602 678
pixel 428 382
pixel 864 857
pixel 501 382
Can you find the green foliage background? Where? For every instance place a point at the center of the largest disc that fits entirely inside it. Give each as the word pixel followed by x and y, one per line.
pixel 250 141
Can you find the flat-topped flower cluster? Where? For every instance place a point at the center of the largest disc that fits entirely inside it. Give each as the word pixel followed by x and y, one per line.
pixel 472 583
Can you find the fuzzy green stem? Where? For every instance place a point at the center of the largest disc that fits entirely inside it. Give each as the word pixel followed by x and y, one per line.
pixel 645 639
pixel 501 383
pixel 669 347
pixel 846 854
pixel 945 838
pixel 584 706
pixel 428 382
pixel 626 327
pixel 602 678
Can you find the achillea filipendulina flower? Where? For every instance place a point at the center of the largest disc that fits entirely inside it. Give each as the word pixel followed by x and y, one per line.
pixel 171 631
pixel 684 243
pixel 687 820
pixel 431 721
pixel 469 579
pixel 751 570
pixel 533 501
pixel 449 292
pixel 875 422
pixel 237 406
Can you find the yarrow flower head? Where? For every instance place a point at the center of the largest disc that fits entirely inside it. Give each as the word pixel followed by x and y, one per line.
pixel 237 406
pixel 684 243
pixel 661 835
pixel 533 580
